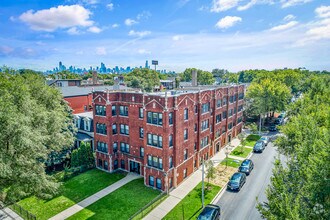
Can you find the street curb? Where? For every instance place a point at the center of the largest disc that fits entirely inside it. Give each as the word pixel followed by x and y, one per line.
pixel 222 191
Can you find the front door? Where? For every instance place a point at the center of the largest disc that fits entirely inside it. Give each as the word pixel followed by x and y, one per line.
pixel 134 167
pixel 218 147
pixel 229 138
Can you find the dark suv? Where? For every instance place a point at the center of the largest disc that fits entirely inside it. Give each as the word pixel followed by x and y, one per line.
pixel 246 166
pixel 210 212
pixel 236 181
pixel 259 147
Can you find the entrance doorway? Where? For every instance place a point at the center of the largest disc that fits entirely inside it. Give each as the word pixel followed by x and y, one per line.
pixel 134 167
pixel 217 147
pixel 229 138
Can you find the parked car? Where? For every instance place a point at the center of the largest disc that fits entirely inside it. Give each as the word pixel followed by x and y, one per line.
pixel 246 166
pixel 272 128
pixel 236 181
pixel 259 146
pixel 265 140
pixel 210 212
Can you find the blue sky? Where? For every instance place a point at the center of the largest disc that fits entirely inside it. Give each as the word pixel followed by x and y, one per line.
pixel 206 34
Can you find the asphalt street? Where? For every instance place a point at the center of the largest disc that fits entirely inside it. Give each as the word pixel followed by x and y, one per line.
pixel 242 205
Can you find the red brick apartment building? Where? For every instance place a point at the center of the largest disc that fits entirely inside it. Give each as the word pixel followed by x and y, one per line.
pixel 163 136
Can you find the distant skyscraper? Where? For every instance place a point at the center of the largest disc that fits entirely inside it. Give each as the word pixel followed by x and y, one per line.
pixel 103 69
pixel 146 66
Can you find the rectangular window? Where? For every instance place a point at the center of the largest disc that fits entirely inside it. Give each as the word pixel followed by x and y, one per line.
pixel 218 103
pixel 205 107
pixel 114 129
pixel 224 101
pixel 155 140
pixel 170 162
pixel 170 140
pixel 235 97
pixel 204 141
pixel 218 118
pixel 159 183
pixel 151 181
pixel 196 109
pixel 141 152
pixel 185 114
pixel 124 129
pixel 123 110
pixel 231 99
pixel 205 125
pixel 141 133
pixel 240 96
pixel 217 133
pixel 115 147
pixel 230 126
pixel 160 163
pixel 103 147
pixel 124 147
pixel 149 160
pixel 100 110
pixel 196 128
pixel 239 120
pixel 170 118
pixel 185 154
pixel 230 112
pixel 185 173
pixel 240 108
pixel 113 110
pixel 224 115
pixel 101 128
pixel 155 162
pixel 185 134
pixel 155 118
pixel 122 164
pixel 235 110
pixel 223 129
pixel 195 146
pixel 140 112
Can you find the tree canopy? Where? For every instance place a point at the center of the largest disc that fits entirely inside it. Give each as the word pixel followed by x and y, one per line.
pixel 300 188
pixel 203 77
pixel 34 121
pixel 144 78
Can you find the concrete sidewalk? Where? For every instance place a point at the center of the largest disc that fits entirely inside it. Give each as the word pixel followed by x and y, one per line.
pixel 93 198
pixel 184 188
pixel 8 214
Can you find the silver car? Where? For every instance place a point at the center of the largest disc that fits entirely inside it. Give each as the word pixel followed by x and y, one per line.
pixel 265 140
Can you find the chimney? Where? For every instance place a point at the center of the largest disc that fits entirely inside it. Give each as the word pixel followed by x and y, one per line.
pixel 94 77
pixel 194 77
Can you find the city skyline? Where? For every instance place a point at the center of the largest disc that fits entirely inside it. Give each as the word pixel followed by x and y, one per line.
pixel 226 34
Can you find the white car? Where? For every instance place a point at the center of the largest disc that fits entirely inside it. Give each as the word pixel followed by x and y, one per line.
pixel 265 140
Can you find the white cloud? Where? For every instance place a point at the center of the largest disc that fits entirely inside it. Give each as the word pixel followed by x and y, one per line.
pixel 289 17
pixel 115 25
pixel 289 3
pixel 143 15
pixel 59 17
pixel 144 51
pixel 254 2
pixel 73 31
pixel 110 6
pixel 90 2
pixel 177 37
pixel 228 21
pixel 94 29
pixel 223 5
pixel 138 33
pixel 130 22
pixel 101 51
pixel 12 18
pixel 323 11
pixel 283 27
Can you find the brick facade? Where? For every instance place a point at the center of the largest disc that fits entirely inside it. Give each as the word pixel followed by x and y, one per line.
pixel 80 104
pixel 156 108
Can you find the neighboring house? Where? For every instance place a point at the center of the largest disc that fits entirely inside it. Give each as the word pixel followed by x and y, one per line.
pixel 168 84
pixel 64 82
pixel 164 136
pixel 85 125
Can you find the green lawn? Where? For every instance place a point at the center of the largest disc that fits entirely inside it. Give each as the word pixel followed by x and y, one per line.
pixel 232 162
pixel 151 207
pixel 71 192
pixel 191 205
pixel 252 139
pixel 120 204
pixel 237 152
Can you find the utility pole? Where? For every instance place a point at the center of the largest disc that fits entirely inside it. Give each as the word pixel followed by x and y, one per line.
pixel 203 183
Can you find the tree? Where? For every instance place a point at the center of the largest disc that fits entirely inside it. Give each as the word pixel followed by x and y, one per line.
pixel 83 156
pixel 210 170
pixel 300 189
pixel 34 121
pixel 203 77
pixel 145 79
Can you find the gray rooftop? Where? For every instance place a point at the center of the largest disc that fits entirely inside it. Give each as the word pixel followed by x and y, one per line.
pixel 69 91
